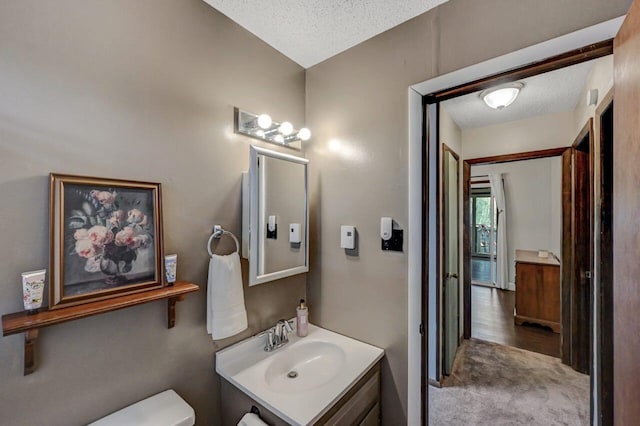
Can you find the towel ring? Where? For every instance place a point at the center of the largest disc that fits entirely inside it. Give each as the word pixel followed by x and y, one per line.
pixel 218 232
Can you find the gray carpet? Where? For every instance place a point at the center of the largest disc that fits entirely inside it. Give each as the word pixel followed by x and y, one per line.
pixel 493 384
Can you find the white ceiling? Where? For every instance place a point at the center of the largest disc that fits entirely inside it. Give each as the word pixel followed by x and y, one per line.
pixel 550 93
pixel 310 31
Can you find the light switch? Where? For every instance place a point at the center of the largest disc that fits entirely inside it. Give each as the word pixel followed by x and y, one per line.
pixel 386 225
pixel 347 237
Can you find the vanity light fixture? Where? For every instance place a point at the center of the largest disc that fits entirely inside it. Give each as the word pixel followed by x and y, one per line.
pixel 304 134
pixel 286 128
pixel 264 121
pixel 264 128
pixel 502 96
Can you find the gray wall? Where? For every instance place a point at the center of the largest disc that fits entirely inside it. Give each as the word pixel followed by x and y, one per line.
pixel 136 90
pixel 358 110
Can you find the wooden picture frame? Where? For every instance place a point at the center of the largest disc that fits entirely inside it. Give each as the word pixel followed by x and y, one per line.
pixel 105 238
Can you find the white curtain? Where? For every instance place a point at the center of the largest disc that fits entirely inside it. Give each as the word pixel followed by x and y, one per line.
pixel 502 271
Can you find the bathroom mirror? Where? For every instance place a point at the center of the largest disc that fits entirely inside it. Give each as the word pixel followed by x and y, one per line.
pixel 279 216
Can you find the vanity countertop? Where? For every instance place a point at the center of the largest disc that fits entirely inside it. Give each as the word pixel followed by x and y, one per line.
pixel 326 364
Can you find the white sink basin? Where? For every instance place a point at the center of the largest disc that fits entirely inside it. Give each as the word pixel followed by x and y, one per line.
pixel 306 366
pixel 302 380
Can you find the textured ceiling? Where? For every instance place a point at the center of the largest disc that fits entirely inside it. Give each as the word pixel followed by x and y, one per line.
pixel 310 31
pixel 544 94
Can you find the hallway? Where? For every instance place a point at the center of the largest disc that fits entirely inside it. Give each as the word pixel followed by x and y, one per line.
pixel 501 385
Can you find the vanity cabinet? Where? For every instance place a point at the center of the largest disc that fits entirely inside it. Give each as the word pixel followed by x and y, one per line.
pixel 360 406
pixel 537 289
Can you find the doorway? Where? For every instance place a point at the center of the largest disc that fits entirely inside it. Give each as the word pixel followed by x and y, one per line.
pixel 483 233
pixel 474 241
pixel 423 132
pixel 532 193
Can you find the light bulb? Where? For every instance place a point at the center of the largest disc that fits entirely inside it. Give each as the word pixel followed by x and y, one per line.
pixel 264 121
pixel 286 128
pixel 304 134
pixel 279 138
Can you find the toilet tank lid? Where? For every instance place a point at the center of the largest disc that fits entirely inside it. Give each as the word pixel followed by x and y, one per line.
pixel 163 409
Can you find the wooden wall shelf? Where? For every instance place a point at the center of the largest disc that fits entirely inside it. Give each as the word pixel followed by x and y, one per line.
pixel 30 324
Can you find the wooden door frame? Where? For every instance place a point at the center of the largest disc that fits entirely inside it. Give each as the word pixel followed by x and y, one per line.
pixel 466 244
pixel 576 56
pixel 442 244
pixel 603 258
pixel 580 361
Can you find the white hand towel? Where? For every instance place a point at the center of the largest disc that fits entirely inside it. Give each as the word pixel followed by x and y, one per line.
pixel 226 313
pixel 251 419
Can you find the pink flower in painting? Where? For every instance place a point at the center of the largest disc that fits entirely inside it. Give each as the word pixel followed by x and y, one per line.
pixel 99 235
pixel 136 217
pixel 81 234
pixel 104 197
pixel 85 248
pixel 125 237
pixel 117 217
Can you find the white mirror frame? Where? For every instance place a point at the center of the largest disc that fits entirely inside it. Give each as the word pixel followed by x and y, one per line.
pixel 257 211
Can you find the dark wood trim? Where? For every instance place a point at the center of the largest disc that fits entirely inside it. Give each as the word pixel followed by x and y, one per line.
pixel 582 249
pixel 565 256
pixel 577 56
pixel 424 338
pixel 466 244
pixel 626 232
pixel 438 245
pixel 447 148
pixel 520 156
pixel 604 259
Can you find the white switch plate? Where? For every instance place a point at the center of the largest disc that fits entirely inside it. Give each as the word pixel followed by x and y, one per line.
pixel 347 237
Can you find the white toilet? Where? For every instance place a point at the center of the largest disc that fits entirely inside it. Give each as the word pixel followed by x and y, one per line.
pixel 163 409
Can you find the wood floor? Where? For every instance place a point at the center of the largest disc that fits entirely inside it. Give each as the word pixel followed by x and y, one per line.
pixel 492 320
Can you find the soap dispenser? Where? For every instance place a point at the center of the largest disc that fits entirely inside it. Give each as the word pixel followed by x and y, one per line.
pixel 302 319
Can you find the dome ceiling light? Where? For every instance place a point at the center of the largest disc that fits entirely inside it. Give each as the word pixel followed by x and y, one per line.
pixel 501 97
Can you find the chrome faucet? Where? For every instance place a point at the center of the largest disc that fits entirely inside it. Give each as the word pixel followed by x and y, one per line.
pixel 277 336
pixel 283 328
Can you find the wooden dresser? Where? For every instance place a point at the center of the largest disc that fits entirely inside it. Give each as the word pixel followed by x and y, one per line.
pixel 537 289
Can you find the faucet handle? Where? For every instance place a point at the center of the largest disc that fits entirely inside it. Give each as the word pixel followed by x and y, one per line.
pixel 282 329
pixel 287 326
pixel 270 342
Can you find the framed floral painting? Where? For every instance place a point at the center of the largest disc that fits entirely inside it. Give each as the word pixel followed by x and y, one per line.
pixel 106 238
